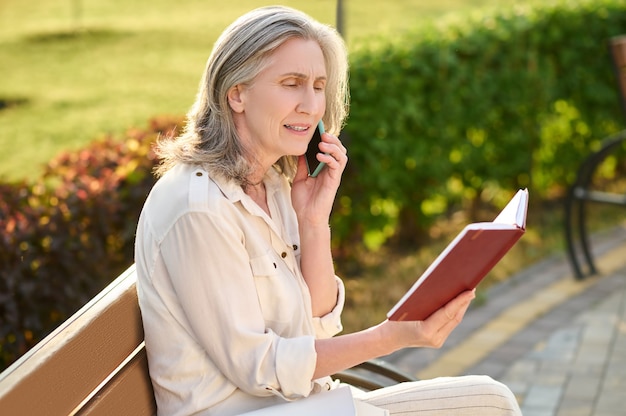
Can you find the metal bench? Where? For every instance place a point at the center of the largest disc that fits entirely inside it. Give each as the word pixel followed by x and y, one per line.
pixel 584 192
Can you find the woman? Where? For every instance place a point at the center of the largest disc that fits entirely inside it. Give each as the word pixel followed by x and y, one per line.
pixel 236 283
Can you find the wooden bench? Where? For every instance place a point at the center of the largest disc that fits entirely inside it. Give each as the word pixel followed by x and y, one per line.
pixel 95 363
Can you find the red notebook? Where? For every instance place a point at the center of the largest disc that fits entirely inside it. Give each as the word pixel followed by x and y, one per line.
pixel 464 262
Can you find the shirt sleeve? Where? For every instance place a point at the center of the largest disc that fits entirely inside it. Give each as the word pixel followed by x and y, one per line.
pixel 210 270
pixel 330 324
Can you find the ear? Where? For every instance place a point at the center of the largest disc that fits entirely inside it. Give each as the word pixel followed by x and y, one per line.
pixel 235 98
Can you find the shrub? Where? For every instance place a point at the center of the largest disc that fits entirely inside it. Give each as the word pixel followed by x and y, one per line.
pixel 67 235
pixel 471 110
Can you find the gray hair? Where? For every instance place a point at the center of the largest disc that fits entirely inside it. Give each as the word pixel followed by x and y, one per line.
pixel 239 55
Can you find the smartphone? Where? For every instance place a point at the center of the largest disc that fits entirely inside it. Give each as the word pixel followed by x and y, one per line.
pixel 313 165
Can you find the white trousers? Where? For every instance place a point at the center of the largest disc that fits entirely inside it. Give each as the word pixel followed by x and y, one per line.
pixel 466 396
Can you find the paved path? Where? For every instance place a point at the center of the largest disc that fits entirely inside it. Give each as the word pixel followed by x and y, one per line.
pixel 558 343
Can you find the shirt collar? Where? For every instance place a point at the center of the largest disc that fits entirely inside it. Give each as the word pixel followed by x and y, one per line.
pixel 234 192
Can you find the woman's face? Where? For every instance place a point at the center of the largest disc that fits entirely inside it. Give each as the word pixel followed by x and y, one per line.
pixel 277 113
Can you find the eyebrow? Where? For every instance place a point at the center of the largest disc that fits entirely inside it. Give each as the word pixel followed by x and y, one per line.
pixel 303 76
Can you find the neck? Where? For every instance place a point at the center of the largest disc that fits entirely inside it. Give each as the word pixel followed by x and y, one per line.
pixel 254 188
pixel 258 195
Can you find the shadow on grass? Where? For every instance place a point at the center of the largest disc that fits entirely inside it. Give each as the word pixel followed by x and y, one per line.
pixel 98 34
pixel 11 102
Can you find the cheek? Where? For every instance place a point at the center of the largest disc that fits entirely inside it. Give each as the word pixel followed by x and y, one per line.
pixel 282 105
pixel 322 102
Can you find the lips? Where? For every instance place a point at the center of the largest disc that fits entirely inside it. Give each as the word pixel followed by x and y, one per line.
pixel 296 128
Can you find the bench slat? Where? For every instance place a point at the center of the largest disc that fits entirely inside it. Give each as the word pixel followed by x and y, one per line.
pixel 128 392
pixel 56 375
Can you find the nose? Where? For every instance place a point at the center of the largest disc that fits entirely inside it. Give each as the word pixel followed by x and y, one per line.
pixel 311 101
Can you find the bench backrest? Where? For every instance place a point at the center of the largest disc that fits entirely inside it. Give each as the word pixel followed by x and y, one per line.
pixel 94 363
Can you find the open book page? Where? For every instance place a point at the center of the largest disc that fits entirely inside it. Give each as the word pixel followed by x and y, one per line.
pixel 515 211
pixel 366 409
pixel 464 262
pixel 338 401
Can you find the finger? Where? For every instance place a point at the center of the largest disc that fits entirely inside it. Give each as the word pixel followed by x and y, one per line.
pixel 450 311
pixel 335 160
pixel 329 138
pixel 455 316
pixel 336 150
pixel 455 311
pixel 445 327
pixel 460 303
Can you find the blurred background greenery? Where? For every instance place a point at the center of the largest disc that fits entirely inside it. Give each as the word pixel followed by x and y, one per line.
pixel 455 104
pixel 74 70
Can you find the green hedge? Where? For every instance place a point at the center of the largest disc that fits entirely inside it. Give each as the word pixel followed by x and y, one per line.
pixel 447 115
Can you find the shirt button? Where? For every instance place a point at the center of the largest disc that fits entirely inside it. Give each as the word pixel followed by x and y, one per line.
pixel 295 246
pixel 283 254
pixel 198 173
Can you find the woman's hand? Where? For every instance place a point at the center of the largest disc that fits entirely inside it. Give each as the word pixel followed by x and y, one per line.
pixel 345 351
pixel 433 331
pixel 313 198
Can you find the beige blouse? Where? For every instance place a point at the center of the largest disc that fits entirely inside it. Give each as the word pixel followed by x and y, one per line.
pixel 226 311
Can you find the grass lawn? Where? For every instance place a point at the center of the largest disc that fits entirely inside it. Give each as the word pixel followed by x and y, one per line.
pixel 61 88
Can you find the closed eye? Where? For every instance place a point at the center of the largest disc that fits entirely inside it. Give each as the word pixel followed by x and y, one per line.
pixel 292 82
